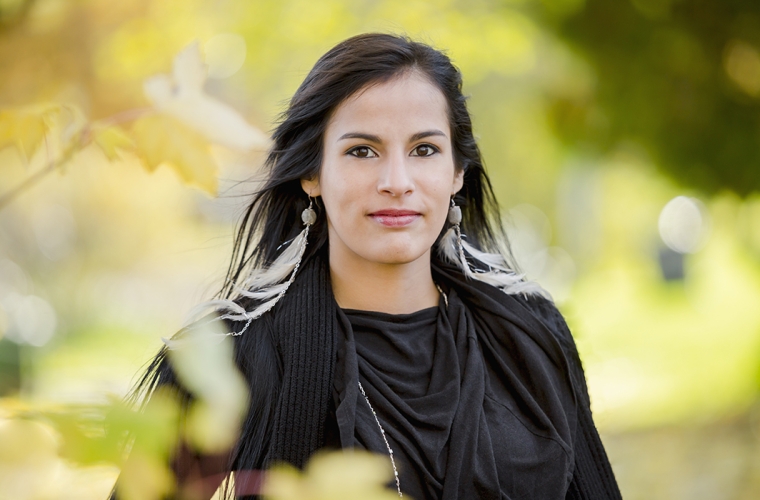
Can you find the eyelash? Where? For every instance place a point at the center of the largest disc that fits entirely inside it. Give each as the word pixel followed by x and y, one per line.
pixel 434 149
pixel 353 151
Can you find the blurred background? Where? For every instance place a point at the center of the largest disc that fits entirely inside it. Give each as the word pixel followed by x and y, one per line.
pixel 622 137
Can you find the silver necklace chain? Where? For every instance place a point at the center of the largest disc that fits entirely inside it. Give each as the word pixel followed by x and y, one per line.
pixel 387 444
pixel 374 414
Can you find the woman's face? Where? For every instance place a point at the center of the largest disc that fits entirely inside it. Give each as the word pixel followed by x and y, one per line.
pixel 387 173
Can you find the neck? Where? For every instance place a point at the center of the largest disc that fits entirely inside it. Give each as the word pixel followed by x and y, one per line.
pixel 389 288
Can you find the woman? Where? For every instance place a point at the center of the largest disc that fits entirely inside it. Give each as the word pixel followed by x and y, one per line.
pixel 361 315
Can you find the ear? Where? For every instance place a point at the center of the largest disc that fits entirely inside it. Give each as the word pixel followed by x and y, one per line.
pixel 311 186
pixel 458 181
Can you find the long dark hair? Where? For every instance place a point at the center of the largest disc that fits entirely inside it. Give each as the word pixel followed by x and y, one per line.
pixel 273 216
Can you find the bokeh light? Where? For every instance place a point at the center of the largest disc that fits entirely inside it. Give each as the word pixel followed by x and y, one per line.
pixel 683 224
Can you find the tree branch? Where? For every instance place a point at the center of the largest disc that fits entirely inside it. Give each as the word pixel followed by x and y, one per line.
pixel 36 177
pixel 79 142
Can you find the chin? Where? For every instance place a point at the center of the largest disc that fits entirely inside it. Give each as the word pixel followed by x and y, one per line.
pixel 385 248
pixel 397 256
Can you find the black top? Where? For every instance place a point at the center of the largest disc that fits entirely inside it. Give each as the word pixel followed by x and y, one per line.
pixel 417 374
pixel 455 426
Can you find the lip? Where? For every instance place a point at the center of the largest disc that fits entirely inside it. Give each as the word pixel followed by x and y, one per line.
pixel 393 217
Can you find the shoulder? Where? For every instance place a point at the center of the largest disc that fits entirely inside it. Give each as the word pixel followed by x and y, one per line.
pixel 547 312
pixel 525 306
pixel 521 298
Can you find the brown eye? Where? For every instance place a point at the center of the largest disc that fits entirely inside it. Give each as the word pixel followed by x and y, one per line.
pixel 424 150
pixel 362 152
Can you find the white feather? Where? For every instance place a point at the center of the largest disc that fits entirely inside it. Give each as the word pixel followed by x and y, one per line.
pixel 181 342
pixel 212 305
pixel 262 294
pixel 447 247
pixel 262 308
pixel 499 274
pixel 279 269
pixel 492 260
pixel 265 284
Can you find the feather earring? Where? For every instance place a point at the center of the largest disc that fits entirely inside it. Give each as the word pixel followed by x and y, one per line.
pixel 454 249
pixel 265 285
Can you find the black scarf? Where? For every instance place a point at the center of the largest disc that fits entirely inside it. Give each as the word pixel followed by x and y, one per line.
pixel 470 411
pixel 287 423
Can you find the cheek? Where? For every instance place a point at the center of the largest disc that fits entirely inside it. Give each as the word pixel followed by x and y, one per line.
pixel 443 188
pixel 340 195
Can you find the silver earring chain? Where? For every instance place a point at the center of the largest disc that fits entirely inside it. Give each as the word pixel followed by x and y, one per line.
pixel 387 445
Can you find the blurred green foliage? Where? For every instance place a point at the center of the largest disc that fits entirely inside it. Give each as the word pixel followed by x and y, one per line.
pixel 680 77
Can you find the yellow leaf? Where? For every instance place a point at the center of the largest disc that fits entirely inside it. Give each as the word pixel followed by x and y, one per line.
pixel 25 441
pixel 28 460
pixel 157 425
pixel 162 139
pixel 144 477
pixel 111 139
pixel 145 474
pixel 26 127
pixel 204 362
pixel 181 95
pixel 343 475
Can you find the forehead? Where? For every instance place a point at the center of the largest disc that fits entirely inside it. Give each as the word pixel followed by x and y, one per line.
pixel 408 101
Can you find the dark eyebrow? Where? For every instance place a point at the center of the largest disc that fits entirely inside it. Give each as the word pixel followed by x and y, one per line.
pixel 359 135
pixel 427 133
pixel 376 139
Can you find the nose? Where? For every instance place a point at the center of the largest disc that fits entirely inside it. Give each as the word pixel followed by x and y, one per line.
pixel 395 177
